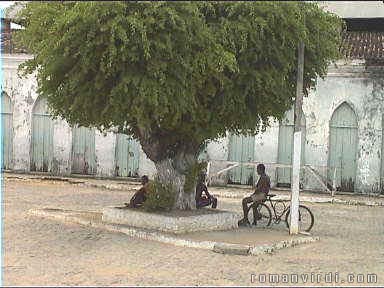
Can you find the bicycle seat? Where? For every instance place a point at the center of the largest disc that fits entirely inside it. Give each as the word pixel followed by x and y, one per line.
pixel 271 195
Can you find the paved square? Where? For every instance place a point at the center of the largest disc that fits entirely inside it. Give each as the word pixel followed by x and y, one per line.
pixel 39 251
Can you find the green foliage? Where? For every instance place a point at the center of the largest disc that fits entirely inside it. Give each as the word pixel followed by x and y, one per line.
pixel 175 74
pixel 192 174
pixel 160 197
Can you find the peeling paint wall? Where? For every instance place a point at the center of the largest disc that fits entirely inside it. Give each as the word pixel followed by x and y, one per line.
pixel 266 149
pixel 350 83
pixel 62 135
pixel 218 150
pixel 23 95
pixel 146 166
pixel 105 154
pixel 347 82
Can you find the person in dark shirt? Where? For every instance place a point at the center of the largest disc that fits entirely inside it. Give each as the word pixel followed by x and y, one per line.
pixel 260 194
pixel 204 200
pixel 140 196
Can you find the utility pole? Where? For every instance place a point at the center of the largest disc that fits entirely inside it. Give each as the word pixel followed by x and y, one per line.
pixel 296 165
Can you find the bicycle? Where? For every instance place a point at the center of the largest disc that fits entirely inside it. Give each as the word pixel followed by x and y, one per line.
pixel 261 215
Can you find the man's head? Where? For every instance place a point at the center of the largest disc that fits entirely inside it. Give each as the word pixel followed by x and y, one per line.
pixel 144 179
pixel 260 169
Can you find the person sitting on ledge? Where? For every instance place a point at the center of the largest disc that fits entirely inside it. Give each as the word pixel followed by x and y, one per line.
pixel 259 196
pixel 207 199
pixel 139 197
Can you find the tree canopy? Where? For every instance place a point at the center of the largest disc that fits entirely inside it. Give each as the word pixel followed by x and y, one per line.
pixel 183 72
pixel 175 74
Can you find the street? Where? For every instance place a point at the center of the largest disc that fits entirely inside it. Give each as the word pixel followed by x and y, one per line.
pixel 44 252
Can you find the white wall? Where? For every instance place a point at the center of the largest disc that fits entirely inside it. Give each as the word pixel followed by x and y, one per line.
pixel 354 9
pixel 348 81
pixel 23 95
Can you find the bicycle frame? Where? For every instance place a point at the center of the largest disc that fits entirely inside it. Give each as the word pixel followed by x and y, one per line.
pixel 277 218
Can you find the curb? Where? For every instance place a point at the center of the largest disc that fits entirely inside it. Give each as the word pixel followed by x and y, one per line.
pixel 130 231
pixel 218 247
pixel 269 249
pixel 229 248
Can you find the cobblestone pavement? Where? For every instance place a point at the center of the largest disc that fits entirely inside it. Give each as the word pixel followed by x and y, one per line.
pixel 44 252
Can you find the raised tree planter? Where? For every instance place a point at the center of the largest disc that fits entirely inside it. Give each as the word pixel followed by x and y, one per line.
pixel 177 222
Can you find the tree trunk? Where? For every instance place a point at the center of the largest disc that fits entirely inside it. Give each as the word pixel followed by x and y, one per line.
pixel 174 171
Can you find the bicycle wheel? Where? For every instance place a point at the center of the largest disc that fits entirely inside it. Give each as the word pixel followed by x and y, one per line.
pixel 279 207
pixel 262 210
pixel 306 219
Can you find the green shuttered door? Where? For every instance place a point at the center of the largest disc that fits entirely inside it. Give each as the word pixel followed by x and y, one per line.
pixel 7 130
pixel 285 148
pixel 241 149
pixel 127 156
pixel 42 137
pixel 342 147
pixel 83 151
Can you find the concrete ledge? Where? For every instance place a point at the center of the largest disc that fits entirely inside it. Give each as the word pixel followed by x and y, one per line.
pixel 93 219
pixel 229 248
pixel 207 220
pixel 268 249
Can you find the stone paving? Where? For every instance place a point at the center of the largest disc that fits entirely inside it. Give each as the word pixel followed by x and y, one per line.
pixel 45 252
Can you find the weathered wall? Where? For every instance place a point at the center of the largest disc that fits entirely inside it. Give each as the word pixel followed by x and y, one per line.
pixel 218 150
pixel 348 81
pixel 62 136
pixel 352 84
pixel 266 149
pixel 22 92
pixel 23 95
pixel 146 166
pixel 105 154
pixel 354 9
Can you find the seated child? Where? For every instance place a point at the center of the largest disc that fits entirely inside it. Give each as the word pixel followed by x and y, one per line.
pixel 204 200
pixel 140 196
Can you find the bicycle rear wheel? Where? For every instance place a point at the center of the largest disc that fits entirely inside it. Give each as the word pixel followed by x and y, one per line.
pixel 306 219
pixel 262 210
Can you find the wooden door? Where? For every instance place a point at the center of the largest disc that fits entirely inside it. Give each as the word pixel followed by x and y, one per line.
pixel 83 151
pixel 285 147
pixel 127 156
pixel 241 149
pixel 42 137
pixel 7 131
pixel 343 147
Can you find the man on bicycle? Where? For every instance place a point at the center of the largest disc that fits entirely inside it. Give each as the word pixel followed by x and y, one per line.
pixel 259 196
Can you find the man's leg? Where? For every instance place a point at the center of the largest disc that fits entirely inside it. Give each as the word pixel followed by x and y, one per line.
pixel 245 202
pixel 258 198
pixel 137 200
pixel 214 202
pixel 202 202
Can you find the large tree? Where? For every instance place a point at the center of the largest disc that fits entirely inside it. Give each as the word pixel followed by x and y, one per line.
pixel 175 74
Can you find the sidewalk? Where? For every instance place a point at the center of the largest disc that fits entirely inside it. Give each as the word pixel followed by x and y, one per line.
pixel 236 192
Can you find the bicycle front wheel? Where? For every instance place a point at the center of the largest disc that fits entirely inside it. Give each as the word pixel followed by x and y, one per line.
pixel 306 219
pixel 260 215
